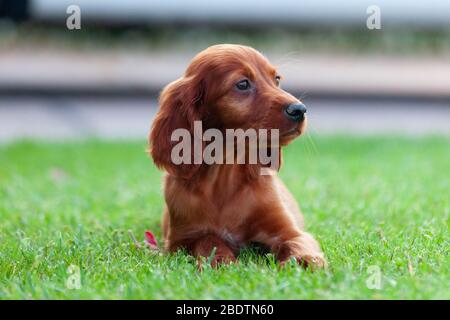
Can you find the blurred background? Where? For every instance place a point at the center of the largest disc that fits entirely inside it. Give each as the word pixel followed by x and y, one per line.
pixel 59 82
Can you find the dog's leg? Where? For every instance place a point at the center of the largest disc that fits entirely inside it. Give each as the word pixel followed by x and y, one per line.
pixel 303 248
pixel 204 247
pixel 286 240
pixel 280 227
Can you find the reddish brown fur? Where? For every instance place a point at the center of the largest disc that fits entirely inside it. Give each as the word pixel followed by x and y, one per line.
pixel 228 206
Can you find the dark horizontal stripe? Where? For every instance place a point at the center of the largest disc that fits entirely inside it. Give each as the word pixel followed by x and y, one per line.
pixel 152 93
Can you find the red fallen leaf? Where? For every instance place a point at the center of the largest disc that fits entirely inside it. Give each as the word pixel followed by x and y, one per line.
pixel 150 240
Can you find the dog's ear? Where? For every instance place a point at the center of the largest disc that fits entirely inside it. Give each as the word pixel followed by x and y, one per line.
pixel 179 106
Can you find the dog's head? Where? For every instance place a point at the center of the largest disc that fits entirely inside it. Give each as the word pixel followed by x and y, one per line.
pixel 226 87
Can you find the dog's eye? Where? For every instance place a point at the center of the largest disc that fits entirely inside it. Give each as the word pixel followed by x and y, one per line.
pixel 277 80
pixel 243 85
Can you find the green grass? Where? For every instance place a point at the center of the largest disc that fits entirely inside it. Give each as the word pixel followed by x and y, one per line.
pixel 370 201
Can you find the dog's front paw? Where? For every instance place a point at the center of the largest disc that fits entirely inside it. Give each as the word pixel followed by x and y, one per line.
pixel 312 261
pixel 304 250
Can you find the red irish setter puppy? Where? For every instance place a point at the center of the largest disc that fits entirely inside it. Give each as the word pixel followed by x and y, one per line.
pixel 226 206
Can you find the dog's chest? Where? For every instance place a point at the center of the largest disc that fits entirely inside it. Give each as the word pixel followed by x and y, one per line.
pixel 228 189
pixel 235 200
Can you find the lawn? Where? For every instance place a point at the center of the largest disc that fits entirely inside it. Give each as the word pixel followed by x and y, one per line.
pixel 378 205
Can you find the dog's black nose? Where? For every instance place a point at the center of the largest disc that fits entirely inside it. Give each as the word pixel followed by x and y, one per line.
pixel 295 111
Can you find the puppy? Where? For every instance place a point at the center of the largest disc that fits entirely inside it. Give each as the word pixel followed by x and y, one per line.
pixel 219 208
